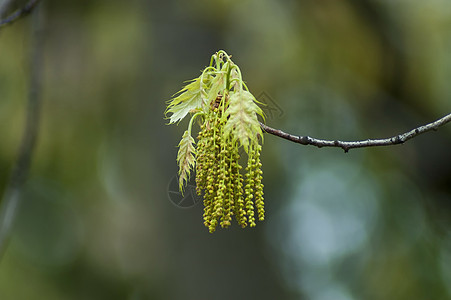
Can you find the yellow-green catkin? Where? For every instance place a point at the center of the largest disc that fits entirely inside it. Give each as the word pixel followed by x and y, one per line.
pixel 220 180
pixel 229 122
pixel 237 182
pixel 248 190
pixel 226 163
pixel 258 187
pixel 205 168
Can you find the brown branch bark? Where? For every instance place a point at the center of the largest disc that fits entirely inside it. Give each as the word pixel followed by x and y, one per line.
pixel 394 140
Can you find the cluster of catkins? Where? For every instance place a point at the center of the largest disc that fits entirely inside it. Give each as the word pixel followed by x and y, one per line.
pixel 219 177
pixel 228 115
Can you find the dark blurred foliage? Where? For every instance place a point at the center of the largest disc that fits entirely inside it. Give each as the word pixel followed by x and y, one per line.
pixel 96 221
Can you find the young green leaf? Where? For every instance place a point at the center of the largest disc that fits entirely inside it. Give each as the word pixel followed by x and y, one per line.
pixel 189 98
pixel 185 158
pixel 218 83
pixel 242 121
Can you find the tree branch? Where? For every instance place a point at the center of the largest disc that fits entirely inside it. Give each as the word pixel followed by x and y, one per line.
pixel 28 8
pixel 394 140
pixel 12 194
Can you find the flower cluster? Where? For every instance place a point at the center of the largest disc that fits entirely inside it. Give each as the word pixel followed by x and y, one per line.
pixel 227 112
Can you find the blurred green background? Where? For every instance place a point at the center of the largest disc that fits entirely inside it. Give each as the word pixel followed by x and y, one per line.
pixel 97 220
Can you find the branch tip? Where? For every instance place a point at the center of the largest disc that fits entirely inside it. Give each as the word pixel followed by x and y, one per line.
pixel 346 146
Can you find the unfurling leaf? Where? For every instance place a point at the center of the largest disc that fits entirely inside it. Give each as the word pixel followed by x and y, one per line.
pixel 189 98
pixel 218 83
pixel 242 123
pixel 185 158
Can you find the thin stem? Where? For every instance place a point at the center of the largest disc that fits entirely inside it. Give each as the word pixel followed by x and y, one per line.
pixel 394 140
pixel 218 60
pixel 229 72
pixel 190 125
pixel 212 59
pixel 222 52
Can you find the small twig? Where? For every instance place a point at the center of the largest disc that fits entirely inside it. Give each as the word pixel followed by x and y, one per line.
pixel 394 140
pixel 28 8
pixel 12 194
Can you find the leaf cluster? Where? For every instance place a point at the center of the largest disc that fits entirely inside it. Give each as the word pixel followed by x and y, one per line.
pixel 228 115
